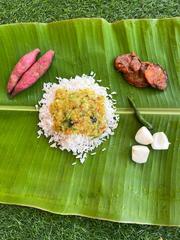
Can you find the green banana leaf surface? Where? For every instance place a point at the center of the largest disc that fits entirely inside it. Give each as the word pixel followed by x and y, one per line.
pixel 108 185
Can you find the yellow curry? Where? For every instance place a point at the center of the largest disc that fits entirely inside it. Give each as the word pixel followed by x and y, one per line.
pixel 78 112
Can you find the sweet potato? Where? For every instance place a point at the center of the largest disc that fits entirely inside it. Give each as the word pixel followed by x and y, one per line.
pixel 38 69
pixel 21 67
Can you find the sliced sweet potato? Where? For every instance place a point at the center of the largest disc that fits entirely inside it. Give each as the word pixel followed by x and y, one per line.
pixel 38 69
pixel 21 67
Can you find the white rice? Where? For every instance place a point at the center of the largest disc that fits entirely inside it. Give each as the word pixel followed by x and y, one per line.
pixel 78 144
pixel 74 163
pixel 94 153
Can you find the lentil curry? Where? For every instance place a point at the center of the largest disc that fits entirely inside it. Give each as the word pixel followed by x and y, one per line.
pixel 78 112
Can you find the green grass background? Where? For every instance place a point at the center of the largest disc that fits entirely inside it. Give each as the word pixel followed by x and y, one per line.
pixel 31 224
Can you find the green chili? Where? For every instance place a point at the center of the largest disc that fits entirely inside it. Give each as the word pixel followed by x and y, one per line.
pixel 140 118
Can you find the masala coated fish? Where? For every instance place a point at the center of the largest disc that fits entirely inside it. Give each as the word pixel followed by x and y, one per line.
pixel 141 74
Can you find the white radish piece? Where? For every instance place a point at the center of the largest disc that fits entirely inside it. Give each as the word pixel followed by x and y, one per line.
pixel 143 136
pixel 160 141
pixel 140 153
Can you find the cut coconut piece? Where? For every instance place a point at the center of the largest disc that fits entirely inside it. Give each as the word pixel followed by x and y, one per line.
pixel 140 153
pixel 160 141
pixel 143 136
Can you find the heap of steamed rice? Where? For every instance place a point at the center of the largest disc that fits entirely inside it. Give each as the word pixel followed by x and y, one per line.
pixel 78 144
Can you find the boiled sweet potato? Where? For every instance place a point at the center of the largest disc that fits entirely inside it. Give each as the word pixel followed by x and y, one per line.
pixel 36 71
pixel 21 67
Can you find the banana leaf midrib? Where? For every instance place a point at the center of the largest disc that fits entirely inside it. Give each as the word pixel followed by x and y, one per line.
pixel 163 111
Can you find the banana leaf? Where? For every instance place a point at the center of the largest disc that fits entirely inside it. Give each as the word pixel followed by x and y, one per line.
pixel 108 185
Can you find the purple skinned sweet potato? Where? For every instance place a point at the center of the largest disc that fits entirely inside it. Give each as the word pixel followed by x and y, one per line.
pixel 21 67
pixel 37 70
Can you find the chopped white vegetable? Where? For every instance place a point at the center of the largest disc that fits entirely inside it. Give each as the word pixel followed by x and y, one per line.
pixel 160 141
pixel 140 153
pixel 143 136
